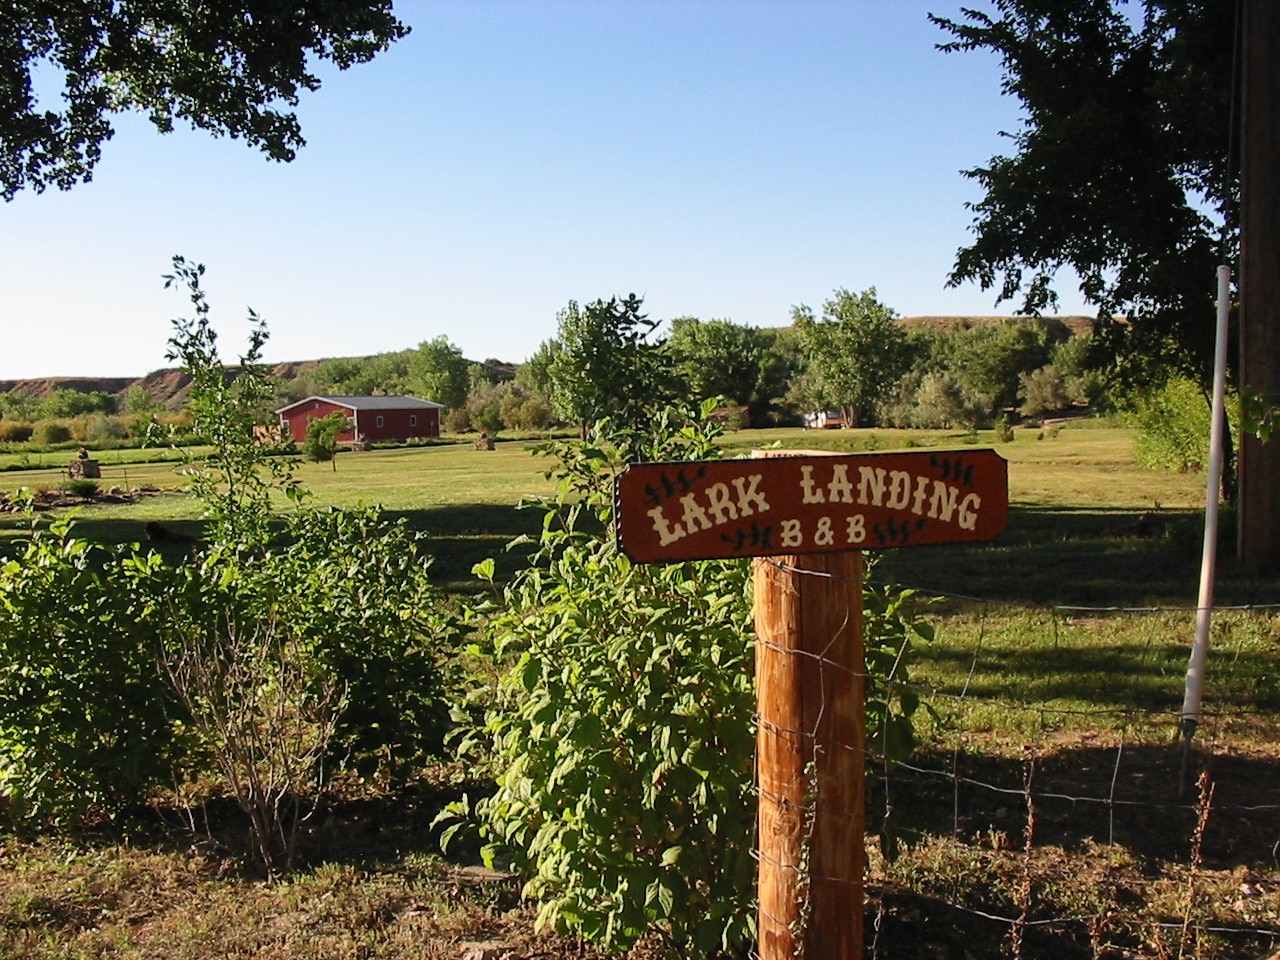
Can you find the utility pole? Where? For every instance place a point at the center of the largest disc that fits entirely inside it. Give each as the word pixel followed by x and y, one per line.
pixel 1258 536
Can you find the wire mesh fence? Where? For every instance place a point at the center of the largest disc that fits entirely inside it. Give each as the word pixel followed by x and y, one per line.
pixel 1054 806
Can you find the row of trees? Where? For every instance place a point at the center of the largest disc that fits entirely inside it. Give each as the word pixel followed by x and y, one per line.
pixel 65 404
pixel 608 359
pixel 855 355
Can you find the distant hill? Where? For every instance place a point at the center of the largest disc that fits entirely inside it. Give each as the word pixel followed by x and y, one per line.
pixel 1064 326
pixel 166 387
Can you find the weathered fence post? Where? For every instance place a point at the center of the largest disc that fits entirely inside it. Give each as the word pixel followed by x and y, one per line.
pixel 809 752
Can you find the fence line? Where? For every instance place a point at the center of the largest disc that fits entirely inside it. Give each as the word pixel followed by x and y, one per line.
pixel 1026 893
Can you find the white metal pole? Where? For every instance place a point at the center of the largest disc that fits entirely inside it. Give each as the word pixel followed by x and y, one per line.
pixel 1200 648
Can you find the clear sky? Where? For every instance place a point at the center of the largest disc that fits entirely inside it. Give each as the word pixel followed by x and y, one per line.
pixel 721 158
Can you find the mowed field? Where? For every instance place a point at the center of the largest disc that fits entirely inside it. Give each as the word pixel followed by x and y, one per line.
pixel 1073 490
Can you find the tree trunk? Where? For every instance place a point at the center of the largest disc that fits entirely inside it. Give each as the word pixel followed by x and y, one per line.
pixel 1258 537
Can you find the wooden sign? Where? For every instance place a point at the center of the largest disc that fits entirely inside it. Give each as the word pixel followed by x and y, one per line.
pixel 720 509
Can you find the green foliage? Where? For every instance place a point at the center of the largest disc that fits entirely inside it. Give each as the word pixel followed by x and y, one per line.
pixel 1118 173
pixel 136 401
pixel 606 365
pixel 989 360
pixel 935 400
pixel 1172 421
pixel 355 376
pixel 64 404
pixel 439 372
pixel 100 430
pixel 50 431
pixel 1258 413
pixel 717 358
pixel 234 481
pixel 85 720
pixel 254 702
pixel 852 357
pixel 535 373
pixel 621 729
pixel 225 68
pixel 15 431
pixel 891 625
pixel 356 592
pixel 274 660
pixel 321 443
pixel 1042 391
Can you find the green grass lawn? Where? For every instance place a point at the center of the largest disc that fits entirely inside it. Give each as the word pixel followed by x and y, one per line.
pixel 1075 534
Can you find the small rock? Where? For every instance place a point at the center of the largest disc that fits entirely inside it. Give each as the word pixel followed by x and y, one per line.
pixel 484 951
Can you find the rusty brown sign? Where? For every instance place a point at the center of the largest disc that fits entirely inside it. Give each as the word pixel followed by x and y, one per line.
pixel 719 509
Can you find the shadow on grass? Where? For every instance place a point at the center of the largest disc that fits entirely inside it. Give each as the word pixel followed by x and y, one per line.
pixel 1083 556
pixel 1084 795
pixel 1119 677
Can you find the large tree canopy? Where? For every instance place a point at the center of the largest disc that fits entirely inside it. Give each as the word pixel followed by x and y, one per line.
pixel 852 356
pixel 607 365
pixel 231 68
pixel 1120 168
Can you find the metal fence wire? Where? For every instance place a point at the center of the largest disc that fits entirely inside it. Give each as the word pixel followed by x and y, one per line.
pixel 1032 824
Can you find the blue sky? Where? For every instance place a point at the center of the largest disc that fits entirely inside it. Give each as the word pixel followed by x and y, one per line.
pixel 722 158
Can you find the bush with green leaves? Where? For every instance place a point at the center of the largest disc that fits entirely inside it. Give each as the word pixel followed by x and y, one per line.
pixel 621 727
pixel 86 721
pixel 360 597
pixel 1172 423
pixel 130 670
pixel 50 432
pixel 1042 391
pixel 15 431
pixel 321 443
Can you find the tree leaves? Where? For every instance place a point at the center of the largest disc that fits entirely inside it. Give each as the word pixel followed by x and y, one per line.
pixel 227 68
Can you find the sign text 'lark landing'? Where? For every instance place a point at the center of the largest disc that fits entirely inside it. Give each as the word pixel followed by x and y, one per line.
pixel 719 509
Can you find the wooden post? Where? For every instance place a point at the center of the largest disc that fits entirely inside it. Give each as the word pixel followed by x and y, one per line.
pixel 810 745
pixel 1258 537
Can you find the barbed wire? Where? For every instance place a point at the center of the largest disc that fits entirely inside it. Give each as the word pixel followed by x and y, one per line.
pixel 1028 604
pixel 893 777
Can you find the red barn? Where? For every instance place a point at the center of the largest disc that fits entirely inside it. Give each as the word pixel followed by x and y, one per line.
pixel 370 418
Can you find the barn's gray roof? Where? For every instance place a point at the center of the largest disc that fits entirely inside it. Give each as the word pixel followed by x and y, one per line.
pixel 371 403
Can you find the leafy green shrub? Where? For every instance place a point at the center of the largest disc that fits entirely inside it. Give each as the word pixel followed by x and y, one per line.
pixel 85 718
pixel 321 443
pixel 458 420
pixel 260 708
pixel 348 591
pixel 101 430
pixel 1042 391
pixel 359 597
pixel 1172 423
pixel 621 730
pixel 83 488
pixel 15 431
pixel 50 431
